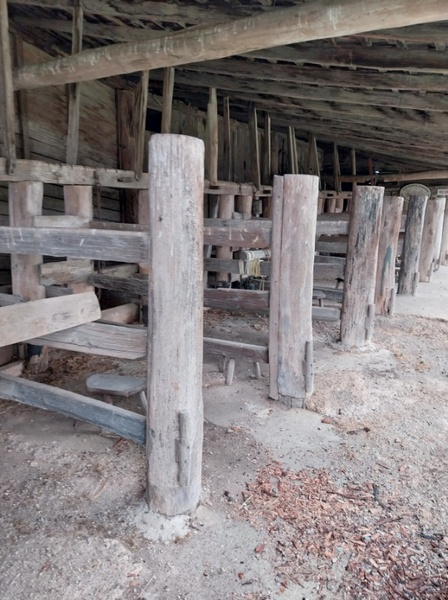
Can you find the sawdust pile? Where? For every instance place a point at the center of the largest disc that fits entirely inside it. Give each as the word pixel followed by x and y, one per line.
pixel 348 538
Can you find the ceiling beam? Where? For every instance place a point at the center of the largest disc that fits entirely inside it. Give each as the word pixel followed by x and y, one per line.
pixel 313 21
pixel 436 33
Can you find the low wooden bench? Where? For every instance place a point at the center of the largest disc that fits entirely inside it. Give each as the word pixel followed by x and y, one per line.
pixel 109 385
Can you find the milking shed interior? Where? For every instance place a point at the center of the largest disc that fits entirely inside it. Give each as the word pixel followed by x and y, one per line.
pixel 296 125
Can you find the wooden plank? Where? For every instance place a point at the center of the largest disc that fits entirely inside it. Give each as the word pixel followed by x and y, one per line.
pixel 167 106
pixel 74 89
pixel 7 110
pixel 408 277
pixel 123 422
pixel 36 170
pixel 86 243
pixel 419 176
pixel 175 407
pixel 387 254
pixel 358 307
pixel 283 26
pixel 125 313
pixel 241 234
pixel 435 209
pixel 115 385
pixel 332 224
pixel 232 299
pixel 103 339
pixel 10 299
pixel 141 104
pixel 24 321
pixel 58 221
pixel 65 272
pixel 236 349
pixel 133 286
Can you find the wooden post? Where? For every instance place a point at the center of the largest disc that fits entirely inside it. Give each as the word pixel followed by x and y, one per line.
pixel 226 208
pixel 78 203
pixel 439 234
pixel 444 242
pixel 267 153
pixel 244 205
pixel 227 143
pixel 408 278
pixel 275 149
pixel 74 89
pixel 167 107
pixel 358 309
pixel 387 254
pixel 22 101
pixel 25 203
pixel 294 167
pixel 212 138
pixel 254 147
pixel 175 409
pixel 7 112
pixel 336 170
pixel 435 208
pixel 290 329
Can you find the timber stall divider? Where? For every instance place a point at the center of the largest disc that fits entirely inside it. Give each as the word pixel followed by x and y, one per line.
pixel 170 248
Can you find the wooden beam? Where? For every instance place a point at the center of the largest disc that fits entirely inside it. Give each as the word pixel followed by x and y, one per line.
pixel 65 272
pixel 167 107
pixel 121 246
pixel 25 321
pixel 236 349
pixel 124 314
pixel 421 176
pixel 122 422
pixel 7 110
pixel 279 27
pixel 240 234
pixel 74 89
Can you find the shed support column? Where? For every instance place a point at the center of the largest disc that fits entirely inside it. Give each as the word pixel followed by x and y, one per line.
pixel 358 308
pixel 290 329
pixel 439 234
pixel 244 205
pixel 387 255
pixel 175 409
pixel 78 202
pixel 408 279
pixel 226 209
pixel 435 208
pixel 444 243
pixel 25 202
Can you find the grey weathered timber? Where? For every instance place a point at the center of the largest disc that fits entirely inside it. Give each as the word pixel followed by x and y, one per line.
pixel 78 204
pixel 408 277
pixel 290 328
pixel 7 111
pixel 360 267
pixel 444 242
pixel 435 209
pixel 65 272
pixel 244 204
pixel 283 26
pixel 230 299
pixel 37 318
pixel 242 234
pixel 125 313
pixel 387 254
pixel 211 158
pixel 439 232
pixel 322 270
pixel 175 322
pixel 419 176
pixel 74 89
pixel 115 385
pixel 121 246
pixel 105 339
pixel 226 208
pixel 167 107
pixel 332 224
pixel 61 221
pixel 236 349
pixel 123 422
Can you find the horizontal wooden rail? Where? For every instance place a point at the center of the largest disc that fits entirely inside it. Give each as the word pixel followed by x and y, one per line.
pixel 252 233
pixel 236 349
pixel 95 244
pixel 332 224
pixel 230 299
pixel 124 423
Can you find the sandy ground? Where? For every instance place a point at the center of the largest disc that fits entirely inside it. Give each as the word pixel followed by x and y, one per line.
pixel 345 500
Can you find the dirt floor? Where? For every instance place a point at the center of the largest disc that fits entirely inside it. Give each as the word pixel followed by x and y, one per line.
pixel 347 499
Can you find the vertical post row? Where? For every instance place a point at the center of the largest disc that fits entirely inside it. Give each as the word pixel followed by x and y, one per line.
pixel 387 255
pixel 175 309
pixel 435 208
pixel 78 202
pixel 358 308
pixel 290 327
pixel 408 278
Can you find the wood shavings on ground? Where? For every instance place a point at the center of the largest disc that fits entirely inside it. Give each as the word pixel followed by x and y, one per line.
pixel 348 538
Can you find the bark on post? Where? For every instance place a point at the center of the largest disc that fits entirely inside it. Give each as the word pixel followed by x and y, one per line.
pixel 444 243
pixel 408 278
pixel 358 308
pixel 226 208
pixel 290 329
pixel 387 254
pixel 433 214
pixel 25 203
pixel 175 410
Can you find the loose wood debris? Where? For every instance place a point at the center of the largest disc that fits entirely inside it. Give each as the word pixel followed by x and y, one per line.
pixel 349 539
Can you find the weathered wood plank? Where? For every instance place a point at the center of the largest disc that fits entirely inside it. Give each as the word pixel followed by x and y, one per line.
pixel 38 318
pixel 65 272
pixel 236 349
pixel 175 407
pixel 125 313
pixel 87 243
pixel 58 221
pixel 242 234
pixel 231 299
pixel 211 155
pixel 435 209
pixel 408 277
pixel 124 423
pixel 283 26
pixel 358 309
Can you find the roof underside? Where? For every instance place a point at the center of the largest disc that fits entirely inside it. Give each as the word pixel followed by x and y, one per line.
pixel 384 93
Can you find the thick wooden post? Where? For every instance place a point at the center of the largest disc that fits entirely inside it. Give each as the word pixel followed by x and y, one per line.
pixel 290 328
pixel 435 208
pixel 444 243
pixel 358 308
pixel 212 138
pixel 408 278
pixel 167 107
pixel 244 205
pixel 227 154
pixel 387 255
pixel 254 148
pixel 439 234
pixel 267 152
pixel 74 90
pixel 25 202
pixel 175 410
pixel 226 208
pixel 78 202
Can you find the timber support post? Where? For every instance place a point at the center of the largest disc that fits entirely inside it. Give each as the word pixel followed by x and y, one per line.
pixel 175 309
pixel 431 238
pixel 226 208
pixel 78 202
pixel 358 308
pixel 443 259
pixel 387 255
pixel 294 203
pixel 408 278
